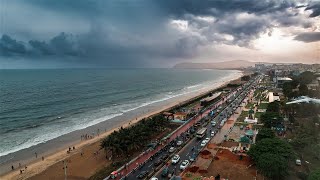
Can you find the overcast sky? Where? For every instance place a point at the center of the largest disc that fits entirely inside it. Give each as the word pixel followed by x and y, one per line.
pixel 156 33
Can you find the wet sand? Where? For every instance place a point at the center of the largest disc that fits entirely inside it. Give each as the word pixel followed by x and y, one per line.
pixel 80 167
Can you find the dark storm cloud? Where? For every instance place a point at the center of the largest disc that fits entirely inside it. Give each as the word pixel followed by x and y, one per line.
pixel 315 8
pixel 136 31
pixel 11 47
pixel 222 7
pixel 308 37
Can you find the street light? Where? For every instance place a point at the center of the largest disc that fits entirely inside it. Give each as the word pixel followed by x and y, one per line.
pixel 65 169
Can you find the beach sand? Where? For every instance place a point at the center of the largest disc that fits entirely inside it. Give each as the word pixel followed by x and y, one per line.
pixel 82 167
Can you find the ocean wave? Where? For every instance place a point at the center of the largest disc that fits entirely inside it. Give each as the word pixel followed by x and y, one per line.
pixel 46 133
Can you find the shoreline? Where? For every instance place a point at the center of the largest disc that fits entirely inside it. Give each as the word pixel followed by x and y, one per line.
pixel 57 154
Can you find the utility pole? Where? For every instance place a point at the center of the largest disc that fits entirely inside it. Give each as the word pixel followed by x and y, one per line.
pixel 65 169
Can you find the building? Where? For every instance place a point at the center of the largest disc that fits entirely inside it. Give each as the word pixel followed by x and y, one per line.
pixel 180 116
pixel 273 97
pixel 279 81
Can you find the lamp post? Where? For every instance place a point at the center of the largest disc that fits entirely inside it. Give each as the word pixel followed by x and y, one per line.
pixel 65 169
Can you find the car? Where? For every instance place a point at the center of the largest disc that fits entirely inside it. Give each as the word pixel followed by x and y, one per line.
pixel 165 172
pixel 143 174
pixel 298 162
pixel 172 149
pixel 165 157
pixel 158 162
pixel 203 143
pixel 207 139
pixel 175 159
pixel 213 123
pixel 179 143
pixel 154 178
pixel 184 164
pixel 192 158
pixel 212 134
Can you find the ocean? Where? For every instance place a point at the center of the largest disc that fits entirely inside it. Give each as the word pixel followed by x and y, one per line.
pixel 39 105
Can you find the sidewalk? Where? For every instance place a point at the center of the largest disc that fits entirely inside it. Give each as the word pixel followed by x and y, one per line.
pixel 145 156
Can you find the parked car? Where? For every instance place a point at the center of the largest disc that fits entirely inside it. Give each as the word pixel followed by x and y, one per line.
pixel 165 157
pixel 158 162
pixel 192 158
pixel 154 178
pixel 212 134
pixel 172 149
pixel 184 164
pixel 213 123
pixel 203 143
pixel 143 174
pixel 179 143
pixel 165 172
pixel 175 159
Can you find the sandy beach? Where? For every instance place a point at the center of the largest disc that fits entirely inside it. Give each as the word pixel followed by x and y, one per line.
pixel 86 159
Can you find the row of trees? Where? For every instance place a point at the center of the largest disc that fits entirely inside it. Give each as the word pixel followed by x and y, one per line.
pixel 270 153
pixel 300 83
pixel 128 140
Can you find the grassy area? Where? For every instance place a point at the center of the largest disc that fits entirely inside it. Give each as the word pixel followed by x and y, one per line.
pixel 242 116
pixel 258 115
pixel 249 105
pixel 263 105
pixel 257 93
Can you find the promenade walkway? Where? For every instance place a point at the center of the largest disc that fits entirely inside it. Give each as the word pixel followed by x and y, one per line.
pixel 134 164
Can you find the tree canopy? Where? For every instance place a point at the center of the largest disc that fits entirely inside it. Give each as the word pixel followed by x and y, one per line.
pixel 265 133
pixel 273 107
pixel 314 175
pixel 271 119
pixel 271 145
pixel 271 156
pixel 272 165
pixel 135 137
pixel 306 77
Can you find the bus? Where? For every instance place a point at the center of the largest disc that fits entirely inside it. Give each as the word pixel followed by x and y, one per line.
pixel 200 134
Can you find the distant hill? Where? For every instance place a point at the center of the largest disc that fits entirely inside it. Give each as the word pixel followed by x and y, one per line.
pixel 236 64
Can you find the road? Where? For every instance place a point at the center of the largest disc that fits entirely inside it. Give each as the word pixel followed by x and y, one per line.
pixel 193 147
pixel 146 162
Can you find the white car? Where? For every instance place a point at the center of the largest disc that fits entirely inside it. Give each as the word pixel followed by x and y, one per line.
pixel 184 164
pixel 154 178
pixel 179 143
pixel 207 139
pixel 203 143
pixel 172 149
pixel 213 123
pixel 212 134
pixel 175 159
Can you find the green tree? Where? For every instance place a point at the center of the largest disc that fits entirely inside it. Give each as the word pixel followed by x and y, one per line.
pixel 274 107
pixel 271 156
pixel 303 90
pixel 306 77
pixel 245 78
pixel 314 175
pixel 273 166
pixel 271 119
pixel 271 145
pixel 265 133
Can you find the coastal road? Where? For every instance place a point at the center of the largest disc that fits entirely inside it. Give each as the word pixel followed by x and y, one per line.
pixel 193 147
pixel 134 168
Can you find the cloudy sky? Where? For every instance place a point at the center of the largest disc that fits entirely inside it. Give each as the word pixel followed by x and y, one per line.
pixel 156 33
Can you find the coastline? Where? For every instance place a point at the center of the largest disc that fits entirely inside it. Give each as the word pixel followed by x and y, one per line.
pixel 54 154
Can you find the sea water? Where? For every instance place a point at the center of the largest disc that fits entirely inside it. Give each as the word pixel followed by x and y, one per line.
pixel 39 105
